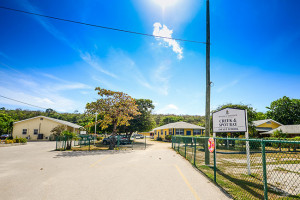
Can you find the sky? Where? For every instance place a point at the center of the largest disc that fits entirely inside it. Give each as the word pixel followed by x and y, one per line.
pixel 255 48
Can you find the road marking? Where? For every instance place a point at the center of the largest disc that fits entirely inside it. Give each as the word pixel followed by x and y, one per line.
pixel 187 183
pixel 95 163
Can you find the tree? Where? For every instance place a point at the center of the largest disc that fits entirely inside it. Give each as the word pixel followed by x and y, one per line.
pixel 260 116
pixel 278 134
pixel 6 124
pixel 116 108
pixel 70 136
pixel 57 131
pixel 285 111
pixel 144 121
pixel 250 112
pixel 170 119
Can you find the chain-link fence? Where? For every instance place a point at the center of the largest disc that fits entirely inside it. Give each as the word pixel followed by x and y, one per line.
pixel 247 168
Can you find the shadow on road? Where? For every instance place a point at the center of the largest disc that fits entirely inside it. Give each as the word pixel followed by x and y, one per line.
pixel 89 153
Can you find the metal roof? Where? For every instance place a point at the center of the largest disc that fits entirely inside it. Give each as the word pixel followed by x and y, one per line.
pixel 259 122
pixel 56 120
pixel 179 125
pixel 289 129
pixel 263 129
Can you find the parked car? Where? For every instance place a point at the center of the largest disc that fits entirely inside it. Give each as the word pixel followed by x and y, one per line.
pixel 138 136
pixel 3 137
pixel 123 140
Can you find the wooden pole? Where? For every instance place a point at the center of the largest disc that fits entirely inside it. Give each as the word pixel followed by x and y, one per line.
pixel 207 102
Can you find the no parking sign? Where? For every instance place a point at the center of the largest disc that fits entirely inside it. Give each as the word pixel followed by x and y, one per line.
pixel 211 144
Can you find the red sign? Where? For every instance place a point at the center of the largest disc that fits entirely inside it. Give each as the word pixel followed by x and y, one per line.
pixel 211 144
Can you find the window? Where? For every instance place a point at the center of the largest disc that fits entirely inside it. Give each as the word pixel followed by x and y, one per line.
pixel 165 132
pixel 155 132
pixel 24 132
pixel 170 131
pixel 35 131
pixel 179 131
pixel 197 131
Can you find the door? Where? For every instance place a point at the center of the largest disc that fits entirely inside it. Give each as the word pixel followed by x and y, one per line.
pixel 188 132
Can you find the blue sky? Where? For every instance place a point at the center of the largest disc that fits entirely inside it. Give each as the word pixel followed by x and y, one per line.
pixel 254 53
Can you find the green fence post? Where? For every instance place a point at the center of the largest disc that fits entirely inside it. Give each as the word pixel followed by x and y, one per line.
pixel 178 145
pixel 118 141
pixel 215 162
pixel 172 142
pixel 263 148
pixel 185 148
pixel 195 147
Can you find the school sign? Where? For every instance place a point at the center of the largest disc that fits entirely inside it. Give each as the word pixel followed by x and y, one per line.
pixel 230 120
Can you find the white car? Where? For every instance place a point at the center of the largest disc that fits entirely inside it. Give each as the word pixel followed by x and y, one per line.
pixel 138 136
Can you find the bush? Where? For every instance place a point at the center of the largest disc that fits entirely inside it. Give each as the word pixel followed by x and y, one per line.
pixel 9 141
pixel 159 139
pixel 99 138
pixel 168 137
pixel 22 140
pixel 10 137
pixel 16 140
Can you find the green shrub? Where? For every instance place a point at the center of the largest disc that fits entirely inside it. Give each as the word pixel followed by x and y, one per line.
pixel 9 141
pixel 99 138
pixel 158 139
pixel 22 140
pixel 168 137
pixel 16 140
pixel 10 137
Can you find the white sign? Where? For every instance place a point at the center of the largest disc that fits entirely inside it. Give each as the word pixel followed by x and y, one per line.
pixel 229 120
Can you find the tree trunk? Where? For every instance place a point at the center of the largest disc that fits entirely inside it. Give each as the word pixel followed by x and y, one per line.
pixel 112 142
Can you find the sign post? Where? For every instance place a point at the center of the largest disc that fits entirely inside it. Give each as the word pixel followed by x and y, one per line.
pixel 247 146
pixel 231 120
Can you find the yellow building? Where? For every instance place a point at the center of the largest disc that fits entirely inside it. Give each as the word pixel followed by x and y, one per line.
pixel 147 134
pixel 178 128
pixel 289 130
pixel 265 125
pixel 39 128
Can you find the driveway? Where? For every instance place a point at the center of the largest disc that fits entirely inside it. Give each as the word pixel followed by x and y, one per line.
pixel 35 171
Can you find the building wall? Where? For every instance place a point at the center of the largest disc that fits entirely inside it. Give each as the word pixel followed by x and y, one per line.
pixel 272 125
pixel 145 133
pixel 166 132
pixel 44 127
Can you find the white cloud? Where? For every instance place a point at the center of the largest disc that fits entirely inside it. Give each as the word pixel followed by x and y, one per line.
pixel 41 92
pixel 163 31
pixel 168 109
pixel 161 78
pixel 172 107
pixel 72 86
pixel 231 84
pixel 93 61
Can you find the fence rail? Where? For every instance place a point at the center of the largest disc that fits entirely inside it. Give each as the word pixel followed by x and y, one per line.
pixel 89 142
pixel 247 168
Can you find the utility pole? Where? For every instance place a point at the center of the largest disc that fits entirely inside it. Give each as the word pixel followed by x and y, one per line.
pixel 207 102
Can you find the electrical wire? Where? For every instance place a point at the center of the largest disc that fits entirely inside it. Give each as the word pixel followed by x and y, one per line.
pixel 23 102
pixel 99 26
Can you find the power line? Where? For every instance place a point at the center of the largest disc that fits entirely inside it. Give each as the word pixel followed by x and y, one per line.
pixel 22 102
pixel 99 26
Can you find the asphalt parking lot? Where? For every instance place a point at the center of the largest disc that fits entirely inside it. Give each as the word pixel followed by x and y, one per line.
pixel 35 171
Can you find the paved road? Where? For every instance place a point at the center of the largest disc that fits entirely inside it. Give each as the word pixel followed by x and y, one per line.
pixel 34 171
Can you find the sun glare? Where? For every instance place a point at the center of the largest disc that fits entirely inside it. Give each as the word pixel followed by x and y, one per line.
pixel 165 3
